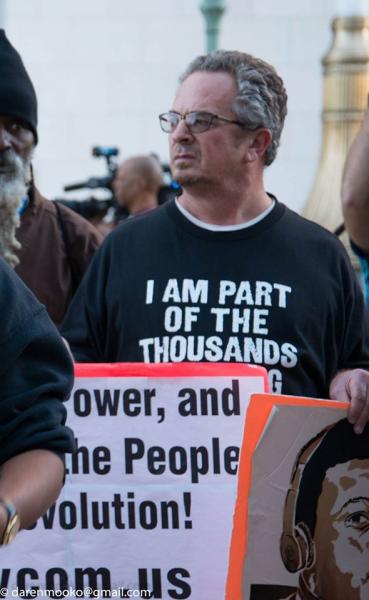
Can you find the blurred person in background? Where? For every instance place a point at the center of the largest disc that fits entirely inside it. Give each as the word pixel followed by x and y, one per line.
pixel 49 245
pixel 137 183
pixel 138 186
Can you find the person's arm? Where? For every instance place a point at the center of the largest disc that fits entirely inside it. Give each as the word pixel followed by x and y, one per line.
pixel 31 481
pixel 349 378
pixel 355 188
pixel 353 386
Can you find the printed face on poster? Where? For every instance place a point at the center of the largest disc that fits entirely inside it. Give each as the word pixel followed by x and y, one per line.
pixel 302 520
pixel 149 496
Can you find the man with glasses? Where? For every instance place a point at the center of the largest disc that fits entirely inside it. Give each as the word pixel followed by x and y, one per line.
pixel 225 272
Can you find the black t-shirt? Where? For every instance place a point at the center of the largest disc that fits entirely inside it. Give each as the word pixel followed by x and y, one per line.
pixel 280 293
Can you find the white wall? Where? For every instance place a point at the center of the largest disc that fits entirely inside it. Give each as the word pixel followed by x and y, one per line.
pixel 104 69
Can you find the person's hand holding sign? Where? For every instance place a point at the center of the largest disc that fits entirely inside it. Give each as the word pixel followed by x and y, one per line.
pixel 353 386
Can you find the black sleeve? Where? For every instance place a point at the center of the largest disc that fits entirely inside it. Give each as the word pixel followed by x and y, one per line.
pixel 36 374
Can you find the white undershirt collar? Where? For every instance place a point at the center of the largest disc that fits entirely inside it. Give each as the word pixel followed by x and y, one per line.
pixel 211 227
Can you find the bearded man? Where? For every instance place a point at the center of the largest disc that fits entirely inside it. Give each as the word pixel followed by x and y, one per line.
pixel 49 245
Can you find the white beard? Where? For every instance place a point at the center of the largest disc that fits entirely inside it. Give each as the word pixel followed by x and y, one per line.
pixel 13 188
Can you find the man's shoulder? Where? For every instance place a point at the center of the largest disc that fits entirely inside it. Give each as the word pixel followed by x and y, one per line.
pixel 309 227
pixel 78 224
pixel 16 294
pixel 302 231
pixel 144 223
pixel 11 283
pixel 155 215
pixel 57 212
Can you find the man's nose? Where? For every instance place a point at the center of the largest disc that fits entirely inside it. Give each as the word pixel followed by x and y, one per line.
pixel 181 132
pixel 5 142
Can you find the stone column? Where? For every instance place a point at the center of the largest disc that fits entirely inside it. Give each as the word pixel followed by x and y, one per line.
pixel 345 98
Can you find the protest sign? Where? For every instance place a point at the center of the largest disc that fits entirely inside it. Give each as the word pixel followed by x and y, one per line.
pixel 149 494
pixel 302 512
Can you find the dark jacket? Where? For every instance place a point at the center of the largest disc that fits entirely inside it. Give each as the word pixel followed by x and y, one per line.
pixel 36 374
pixel 56 250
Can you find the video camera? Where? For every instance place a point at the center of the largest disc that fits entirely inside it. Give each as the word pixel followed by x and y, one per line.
pixel 95 207
pixel 92 207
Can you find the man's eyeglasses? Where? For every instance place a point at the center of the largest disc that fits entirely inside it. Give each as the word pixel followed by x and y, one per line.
pixel 196 122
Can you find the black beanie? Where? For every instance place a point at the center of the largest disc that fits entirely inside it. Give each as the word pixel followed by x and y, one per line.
pixel 17 94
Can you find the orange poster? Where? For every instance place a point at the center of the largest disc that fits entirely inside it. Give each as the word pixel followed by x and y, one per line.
pixel 301 524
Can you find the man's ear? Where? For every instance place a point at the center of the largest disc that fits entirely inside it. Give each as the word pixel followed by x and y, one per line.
pixel 257 143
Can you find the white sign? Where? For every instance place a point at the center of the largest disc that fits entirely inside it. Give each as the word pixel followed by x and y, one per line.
pixel 149 495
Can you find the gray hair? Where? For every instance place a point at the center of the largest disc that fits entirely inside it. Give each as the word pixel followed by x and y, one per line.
pixel 261 100
pixel 13 187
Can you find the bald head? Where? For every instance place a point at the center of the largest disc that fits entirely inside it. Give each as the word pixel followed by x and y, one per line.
pixel 137 183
